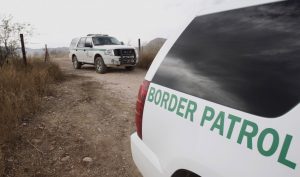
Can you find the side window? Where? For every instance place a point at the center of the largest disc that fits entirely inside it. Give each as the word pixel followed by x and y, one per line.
pixel 246 59
pixel 81 42
pixel 88 42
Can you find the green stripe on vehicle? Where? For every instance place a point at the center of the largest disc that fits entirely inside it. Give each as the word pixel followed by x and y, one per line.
pixel 249 135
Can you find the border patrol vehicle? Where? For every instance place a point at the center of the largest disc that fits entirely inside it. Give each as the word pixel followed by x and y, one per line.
pixel 221 98
pixel 103 51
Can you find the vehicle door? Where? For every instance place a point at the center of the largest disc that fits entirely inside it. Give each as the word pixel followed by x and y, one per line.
pixel 89 50
pixel 80 50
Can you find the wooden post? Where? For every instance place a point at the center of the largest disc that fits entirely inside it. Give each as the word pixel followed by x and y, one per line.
pixel 47 57
pixel 139 49
pixel 23 49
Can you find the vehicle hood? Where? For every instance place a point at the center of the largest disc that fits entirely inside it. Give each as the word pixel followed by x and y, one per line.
pixel 113 47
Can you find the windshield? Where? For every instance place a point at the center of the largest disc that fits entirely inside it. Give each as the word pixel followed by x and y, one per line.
pixel 105 41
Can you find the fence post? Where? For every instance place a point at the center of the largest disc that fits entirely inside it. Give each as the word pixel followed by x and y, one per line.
pixel 139 41
pixel 47 57
pixel 23 49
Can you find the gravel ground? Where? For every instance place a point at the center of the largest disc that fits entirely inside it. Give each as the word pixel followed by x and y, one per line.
pixel 82 129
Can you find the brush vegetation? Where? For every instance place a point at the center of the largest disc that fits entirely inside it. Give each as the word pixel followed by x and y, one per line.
pixel 21 92
pixel 149 52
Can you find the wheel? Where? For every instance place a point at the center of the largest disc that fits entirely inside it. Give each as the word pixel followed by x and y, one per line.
pixel 130 68
pixel 76 64
pixel 100 65
pixel 184 173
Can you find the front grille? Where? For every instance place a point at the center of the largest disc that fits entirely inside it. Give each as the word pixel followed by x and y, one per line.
pixel 124 52
pixel 127 56
pixel 127 61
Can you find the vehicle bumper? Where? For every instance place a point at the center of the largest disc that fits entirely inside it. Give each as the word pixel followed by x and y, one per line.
pixel 119 65
pixel 113 61
pixel 146 161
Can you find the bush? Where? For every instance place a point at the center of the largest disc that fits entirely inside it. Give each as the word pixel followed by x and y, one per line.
pixel 21 91
pixel 149 52
pixel 146 58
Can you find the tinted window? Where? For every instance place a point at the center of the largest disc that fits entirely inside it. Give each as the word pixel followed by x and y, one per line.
pixel 106 41
pixel 247 59
pixel 88 41
pixel 81 42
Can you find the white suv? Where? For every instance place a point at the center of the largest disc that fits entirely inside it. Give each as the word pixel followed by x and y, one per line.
pixel 222 98
pixel 103 51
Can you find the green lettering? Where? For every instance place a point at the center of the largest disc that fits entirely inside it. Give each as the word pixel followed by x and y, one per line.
pixel 151 94
pixel 219 123
pixel 165 99
pixel 173 103
pixel 208 115
pixel 261 140
pixel 248 134
pixel 157 95
pixel 181 106
pixel 233 119
pixel 284 151
pixel 191 109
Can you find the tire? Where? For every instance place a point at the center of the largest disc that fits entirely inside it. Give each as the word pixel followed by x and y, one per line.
pixel 100 65
pixel 76 63
pixel 130 68
pixel 184 173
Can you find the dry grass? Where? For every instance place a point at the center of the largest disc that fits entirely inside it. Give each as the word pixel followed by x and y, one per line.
pixel 147 56
pixel 21 91
pixel 149 52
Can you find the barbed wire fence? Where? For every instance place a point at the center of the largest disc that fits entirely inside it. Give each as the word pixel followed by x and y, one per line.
pixel 47 56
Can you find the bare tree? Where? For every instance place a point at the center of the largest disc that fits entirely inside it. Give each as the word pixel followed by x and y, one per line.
pixel 9 37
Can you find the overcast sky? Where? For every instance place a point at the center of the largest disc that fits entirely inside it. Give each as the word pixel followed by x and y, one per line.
pixel 56 22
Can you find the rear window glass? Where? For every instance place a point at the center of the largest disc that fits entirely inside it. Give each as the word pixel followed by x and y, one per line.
pixel 247 59
pixel 81 42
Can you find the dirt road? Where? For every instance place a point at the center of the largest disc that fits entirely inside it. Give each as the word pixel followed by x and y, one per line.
pixel 82 129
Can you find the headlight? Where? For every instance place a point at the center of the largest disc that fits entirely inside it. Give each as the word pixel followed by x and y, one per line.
pixel 109 52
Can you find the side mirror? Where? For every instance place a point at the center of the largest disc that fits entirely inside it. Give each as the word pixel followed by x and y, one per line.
pixel 122 43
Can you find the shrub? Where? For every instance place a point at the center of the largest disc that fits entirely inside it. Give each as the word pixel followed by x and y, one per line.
pixel 149 52
pixel 21 91
pixel 146 58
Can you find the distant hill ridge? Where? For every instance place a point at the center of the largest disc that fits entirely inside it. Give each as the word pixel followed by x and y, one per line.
pixel 155 43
